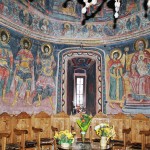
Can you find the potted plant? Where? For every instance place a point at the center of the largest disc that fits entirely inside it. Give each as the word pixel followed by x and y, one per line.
pixel 84 123
pixel 105 131
pixel 64 138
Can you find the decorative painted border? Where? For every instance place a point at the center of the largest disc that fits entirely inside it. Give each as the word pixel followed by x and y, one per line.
pixel 69 53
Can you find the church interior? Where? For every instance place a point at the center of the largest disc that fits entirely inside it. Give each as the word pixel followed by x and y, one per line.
pixel 60 59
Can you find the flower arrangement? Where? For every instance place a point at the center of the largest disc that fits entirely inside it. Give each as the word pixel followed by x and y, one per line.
pixel 64 137
pixel 105 130
pixel 84 122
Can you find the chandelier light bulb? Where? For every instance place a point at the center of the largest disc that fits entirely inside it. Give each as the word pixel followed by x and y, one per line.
pixel 117 9
pixel 83 10
pixel 85 1
pixel 148 3
pixel 87 5
pixel 117 3
pixel 116 15
pixel 94 2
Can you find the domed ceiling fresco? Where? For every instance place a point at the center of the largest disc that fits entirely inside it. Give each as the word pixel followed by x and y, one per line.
pixel 47 20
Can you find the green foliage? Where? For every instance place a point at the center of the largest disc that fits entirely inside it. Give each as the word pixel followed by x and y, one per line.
pixel 105 130
pixel 84 122
pixel 64 137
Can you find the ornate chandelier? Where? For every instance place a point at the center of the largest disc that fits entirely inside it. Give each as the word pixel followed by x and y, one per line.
pixel 114 4
pixel 117 4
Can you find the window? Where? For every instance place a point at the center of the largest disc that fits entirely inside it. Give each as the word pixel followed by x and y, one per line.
pixel 79 91
pixel 80 88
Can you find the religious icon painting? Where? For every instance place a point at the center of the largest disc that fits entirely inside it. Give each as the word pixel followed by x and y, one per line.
pixel 47 49
pixel 142 41
pixel 4 35
pixel 116 54
pixel 26 43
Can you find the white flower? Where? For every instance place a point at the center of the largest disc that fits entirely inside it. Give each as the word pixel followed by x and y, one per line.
pixel 97 127
pixel 83 10
pixel 82 132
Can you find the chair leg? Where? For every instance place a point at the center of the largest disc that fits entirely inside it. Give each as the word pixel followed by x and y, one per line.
pixel 23 141
pixel 3 143
pixel 143 141
pixel 55 145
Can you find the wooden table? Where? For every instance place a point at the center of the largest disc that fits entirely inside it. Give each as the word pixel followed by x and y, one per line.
pixel 85 146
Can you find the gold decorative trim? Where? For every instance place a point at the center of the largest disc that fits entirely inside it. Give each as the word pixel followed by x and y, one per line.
pixel 116 51
pixel 22 42
pixel 4 31
pixel 50 49
pixel 145 41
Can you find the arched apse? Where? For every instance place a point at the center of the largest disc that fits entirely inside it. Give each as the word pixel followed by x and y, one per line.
pixel 67 54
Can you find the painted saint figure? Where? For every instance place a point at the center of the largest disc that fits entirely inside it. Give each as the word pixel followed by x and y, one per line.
pixel 139 71
pixel 24 72
pixel 44 26
pixel 6 61
pixel 115 68
pixel 45 83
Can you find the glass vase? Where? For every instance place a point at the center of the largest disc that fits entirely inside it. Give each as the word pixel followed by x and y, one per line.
pixel 103 142
pixel 83 136
pixel 65 145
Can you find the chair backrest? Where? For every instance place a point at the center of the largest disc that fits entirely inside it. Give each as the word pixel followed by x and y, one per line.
pixel 74 125
pixel 42 120
pixel 61 121
pixel 139 123
pixel 6 125
pixel 148 137
pixel 22 122
pixel 98 119
pixel 120 121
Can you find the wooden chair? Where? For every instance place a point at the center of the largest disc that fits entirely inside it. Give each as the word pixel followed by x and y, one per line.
pixel 122 125
pixel 139 124
pixel 61 121
pixel 145 142
pixel 145 135
pixel 22 134
pixel 3 137
pixel 42 130
pixel 37 132
pixel 6 130
pixel 74 126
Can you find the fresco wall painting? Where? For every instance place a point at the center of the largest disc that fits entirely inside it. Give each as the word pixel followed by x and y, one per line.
pixel 54 24
pixel 129 79
pixel 26 80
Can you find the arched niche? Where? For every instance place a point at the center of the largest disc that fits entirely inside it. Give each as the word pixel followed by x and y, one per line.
pixel 65 55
